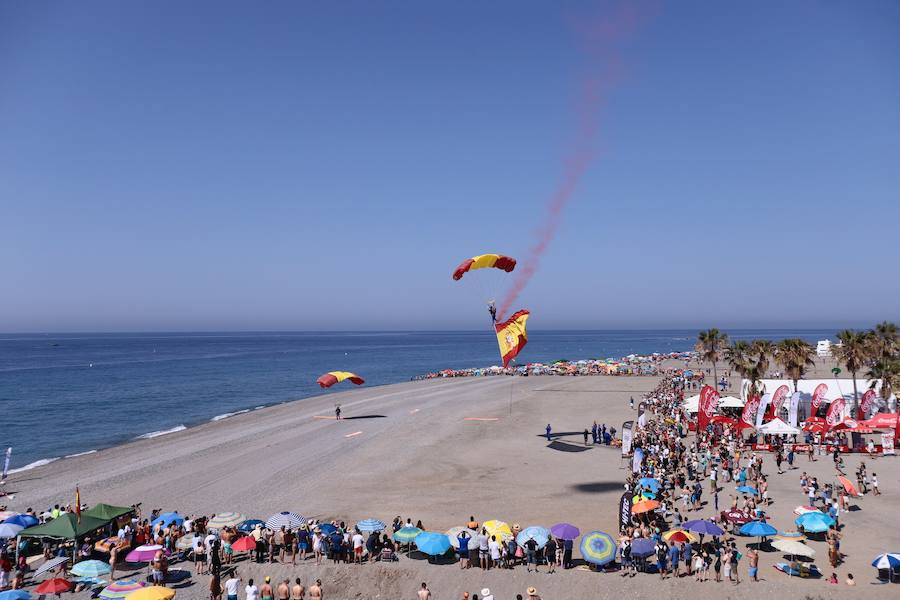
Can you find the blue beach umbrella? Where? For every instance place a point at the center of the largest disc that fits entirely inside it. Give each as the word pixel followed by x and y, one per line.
pixel 432 543
pixel 326 528
pixel 9 530
pixel 886 561
pixel 369 525
pixel 22 520
pixel 702 526
pixel 649 482
pixel 91 568
pixel 746 489
pixel 757 529
pixel 641 547
pixel 250 524
pixel 538 534
pixel 15 595
pixel 599 548
pixel 167 519
pixel 407 535
pixel 814 522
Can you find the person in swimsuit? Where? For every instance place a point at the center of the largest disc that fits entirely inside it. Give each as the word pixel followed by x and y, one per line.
pixel 265 592
pixel 316 592
pixel 297 591
pixel 284 590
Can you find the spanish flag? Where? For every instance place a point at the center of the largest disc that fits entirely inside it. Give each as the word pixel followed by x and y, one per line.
pixel 511 336
pixel 78 503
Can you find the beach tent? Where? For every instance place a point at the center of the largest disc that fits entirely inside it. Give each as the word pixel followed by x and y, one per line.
pixel 777 427
pixel 692 404
pixel 66 526
pixel 107 512
pixel 730 402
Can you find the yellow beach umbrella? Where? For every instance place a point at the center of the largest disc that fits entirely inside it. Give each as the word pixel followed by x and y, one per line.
pixel 154 592
pixel 690 535
pixel 498 528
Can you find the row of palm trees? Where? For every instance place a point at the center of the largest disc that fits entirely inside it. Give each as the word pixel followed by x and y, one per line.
pixel 876 349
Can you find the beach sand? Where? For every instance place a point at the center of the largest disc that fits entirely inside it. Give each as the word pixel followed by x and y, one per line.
pixel 441 450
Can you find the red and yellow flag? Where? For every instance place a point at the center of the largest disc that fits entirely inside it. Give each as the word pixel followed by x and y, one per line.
pixel 78 503
pixel 511 336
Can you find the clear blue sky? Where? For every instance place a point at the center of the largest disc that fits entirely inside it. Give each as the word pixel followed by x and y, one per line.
pixel 301 165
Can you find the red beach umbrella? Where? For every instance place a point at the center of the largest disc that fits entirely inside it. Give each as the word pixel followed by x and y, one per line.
pixel 57 585
pixel 244 544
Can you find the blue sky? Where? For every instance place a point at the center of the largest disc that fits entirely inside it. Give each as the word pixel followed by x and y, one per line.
pixel 299 165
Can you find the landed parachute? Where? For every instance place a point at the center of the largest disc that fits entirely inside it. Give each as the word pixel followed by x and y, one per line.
pixel 485 261
pixel 329 379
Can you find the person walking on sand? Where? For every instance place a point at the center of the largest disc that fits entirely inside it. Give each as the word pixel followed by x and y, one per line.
pixel 548 432
pixel 337 412
pixel 754 564
pixel 298 591
pixel 586 434
pixel 424 593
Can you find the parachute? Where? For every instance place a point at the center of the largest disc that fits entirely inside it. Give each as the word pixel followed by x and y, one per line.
pixel 485 261
pixel 329 379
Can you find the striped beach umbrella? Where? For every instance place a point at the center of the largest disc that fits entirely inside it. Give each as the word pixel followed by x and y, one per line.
pixel 225 519
pixel 538 534
pixel 186 542
pixel 286 519
pixel 91 568
pixel 453 536
pixel 407 535
pixel 120 589
pixel 598 548
pixel 51 564
pixel 371 525
pixel 886 561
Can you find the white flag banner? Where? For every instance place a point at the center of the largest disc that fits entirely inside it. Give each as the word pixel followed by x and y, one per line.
pixel 626 437
pixel 794 408
pixel 761 409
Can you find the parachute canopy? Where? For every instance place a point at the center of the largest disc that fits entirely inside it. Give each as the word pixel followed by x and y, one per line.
pixel 329 379
pixel 485 261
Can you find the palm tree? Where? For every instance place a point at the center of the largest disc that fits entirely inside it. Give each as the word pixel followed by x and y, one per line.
pixel 738 357
pixel 794 355
pixel 888 371
pixel 759 354
pixel 886 339
pixel 854 351
pixel 711 345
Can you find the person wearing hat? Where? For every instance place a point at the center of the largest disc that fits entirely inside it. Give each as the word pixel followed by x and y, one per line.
pixel 486 594
pixel 532 594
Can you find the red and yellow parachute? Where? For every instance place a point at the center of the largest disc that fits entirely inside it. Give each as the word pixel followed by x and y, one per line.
pixel 485 261
pixel 329 379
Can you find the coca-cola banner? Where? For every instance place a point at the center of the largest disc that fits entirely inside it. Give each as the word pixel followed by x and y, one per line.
pixel 750 408
pixel 761 409
pixel 835 412
pixel 865 405
pixel 779 397
pixel 817 396
pixel 709 400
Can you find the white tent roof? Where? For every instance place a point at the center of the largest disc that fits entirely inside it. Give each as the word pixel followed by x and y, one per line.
pixel 777 427
pixel 730 402
pixel 692 404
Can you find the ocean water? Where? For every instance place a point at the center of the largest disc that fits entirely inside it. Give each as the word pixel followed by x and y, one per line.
pixel 62 395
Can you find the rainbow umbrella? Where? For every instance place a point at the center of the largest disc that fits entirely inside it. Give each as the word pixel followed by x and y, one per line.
pixel 680 535
pixel 407 535
pixel 120 589
pixel 598 548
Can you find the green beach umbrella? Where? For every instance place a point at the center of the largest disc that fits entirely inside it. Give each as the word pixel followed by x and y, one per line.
pixel 406 535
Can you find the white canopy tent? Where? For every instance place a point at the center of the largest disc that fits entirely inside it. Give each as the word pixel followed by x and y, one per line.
pixel 692 404
pixel 777 427
pixel 731 402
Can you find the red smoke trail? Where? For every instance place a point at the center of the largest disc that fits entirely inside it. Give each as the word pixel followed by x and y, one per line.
pixel 601 37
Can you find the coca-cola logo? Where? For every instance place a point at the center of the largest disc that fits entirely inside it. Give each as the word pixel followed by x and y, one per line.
pixel 867 400
pixel 834 412
pixel 749 414
pixel 709 399
pixel 779 396
pixel 818 394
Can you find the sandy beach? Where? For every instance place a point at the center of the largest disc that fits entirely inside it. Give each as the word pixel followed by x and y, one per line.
pixel 440 451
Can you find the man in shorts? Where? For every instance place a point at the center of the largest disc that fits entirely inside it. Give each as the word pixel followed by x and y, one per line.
pixel 232 584
pixel 754 564
pixel 358 543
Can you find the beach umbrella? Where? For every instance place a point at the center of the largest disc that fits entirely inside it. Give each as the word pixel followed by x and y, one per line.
pixel 250 524
pixel 680 535
pixel 143 553
pixel 9 530
pixel 57 585
pixel 244 544
pixel 789 535
pixel 565 531
pixel 15 595
pixel 649 482
pixel 702 526
pixel 499 528
pixel 802 510
pixel 598 548
pixel 407 535
pixel 6 514
pixel 167 519
pixel 186 542
pixel 849 487
pixel 286 519
pixel 369 525
pixel 24 520
pixel 51 564
pixel 886 561
pixel 91 568
pixel 538 534
pixel 746 489
pixel 225 519
pixel 757 529
pixel 90 582
pixel 641 547
pixel 736 516
pixel 794 548
pixel 453 536
pixel 814 522
pixel 327 528
pixel 432 543
pixel 153 592
pixel 648 495
pixel 644 506
pixel 120 589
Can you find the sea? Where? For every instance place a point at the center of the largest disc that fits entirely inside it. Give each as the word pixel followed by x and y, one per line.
pixel 63 395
